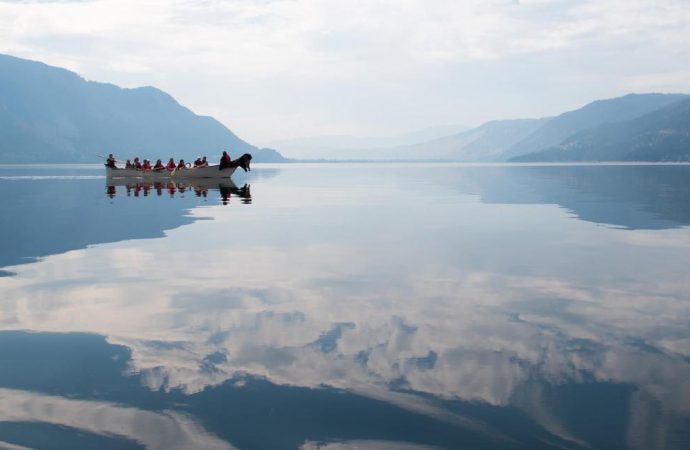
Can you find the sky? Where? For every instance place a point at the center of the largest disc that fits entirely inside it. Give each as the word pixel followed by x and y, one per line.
pixel 280 69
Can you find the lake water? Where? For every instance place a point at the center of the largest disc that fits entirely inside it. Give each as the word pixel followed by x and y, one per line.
pixel 351 305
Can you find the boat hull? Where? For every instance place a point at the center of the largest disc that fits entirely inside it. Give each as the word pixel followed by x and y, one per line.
pixel 178 174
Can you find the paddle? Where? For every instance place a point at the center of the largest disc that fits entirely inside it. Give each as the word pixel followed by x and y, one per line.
pixel 117 160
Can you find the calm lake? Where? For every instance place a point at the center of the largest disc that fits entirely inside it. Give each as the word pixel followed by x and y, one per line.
pixel 394 306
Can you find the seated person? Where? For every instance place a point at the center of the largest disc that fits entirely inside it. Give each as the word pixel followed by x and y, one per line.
pixel 204 163
pixel 197 161
pixel 110 161
pixel 129 165
pixel 147 165
pixel 171 165
pixel 181 164
pixel 159 166
pixel 224 161
pixel 137 163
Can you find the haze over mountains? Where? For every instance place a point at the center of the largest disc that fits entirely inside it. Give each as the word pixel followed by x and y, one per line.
pixel 339 146
pixel 48 114
pixel 590 116
pixel 487 142
pixel 604 130
pixel 661 135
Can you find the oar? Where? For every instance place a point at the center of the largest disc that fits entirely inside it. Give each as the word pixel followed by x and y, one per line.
pixel 105 157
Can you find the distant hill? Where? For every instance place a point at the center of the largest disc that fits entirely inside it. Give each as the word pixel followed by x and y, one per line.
pixel 48 114
pixel 355 147
pixel 662 135
pixel 591 115
pixel 484 143
pixel 499 140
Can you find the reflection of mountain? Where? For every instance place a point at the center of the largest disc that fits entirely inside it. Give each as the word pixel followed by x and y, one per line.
pixel 629 196
pixel 369 303
pixel 41 216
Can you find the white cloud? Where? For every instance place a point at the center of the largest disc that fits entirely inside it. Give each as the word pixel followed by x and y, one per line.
pixel 296 67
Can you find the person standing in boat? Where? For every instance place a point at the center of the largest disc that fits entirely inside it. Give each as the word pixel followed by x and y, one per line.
pixel 159 166
pixel 224 161
pixel 110 161
pixel 171 165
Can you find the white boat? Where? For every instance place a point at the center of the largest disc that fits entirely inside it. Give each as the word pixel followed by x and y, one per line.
pixel 183 173
pixel 177 174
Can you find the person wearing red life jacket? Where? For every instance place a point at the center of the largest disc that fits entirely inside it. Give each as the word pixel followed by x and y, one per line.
pixel 137 164
pixel 147 165
pixel 171 165
pixel 224 161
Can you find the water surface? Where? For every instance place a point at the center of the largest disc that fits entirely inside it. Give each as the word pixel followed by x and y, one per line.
pixel 327 306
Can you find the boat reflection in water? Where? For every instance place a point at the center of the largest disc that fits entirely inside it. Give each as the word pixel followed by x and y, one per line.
pixel 133 187
pixel 431 306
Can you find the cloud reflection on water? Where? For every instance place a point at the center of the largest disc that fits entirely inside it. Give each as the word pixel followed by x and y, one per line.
pixel 154 430
pixel 476 311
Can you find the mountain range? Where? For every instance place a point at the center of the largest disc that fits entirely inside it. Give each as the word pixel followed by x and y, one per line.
pixel 337 146
pixel 634 127
pixel 592 115
pixel 661 135
pixel 487 142
pixel 49 114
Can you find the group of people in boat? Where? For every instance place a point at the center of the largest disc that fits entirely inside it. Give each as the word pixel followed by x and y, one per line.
pixel 146 165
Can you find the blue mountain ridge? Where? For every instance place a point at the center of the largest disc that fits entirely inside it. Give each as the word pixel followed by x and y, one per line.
pixel 662 135
pixel 49 114
pixel 594 114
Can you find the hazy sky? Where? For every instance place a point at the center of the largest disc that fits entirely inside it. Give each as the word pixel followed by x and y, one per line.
pixel 272 69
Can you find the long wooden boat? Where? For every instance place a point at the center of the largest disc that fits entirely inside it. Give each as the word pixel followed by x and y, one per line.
pixel 177 174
